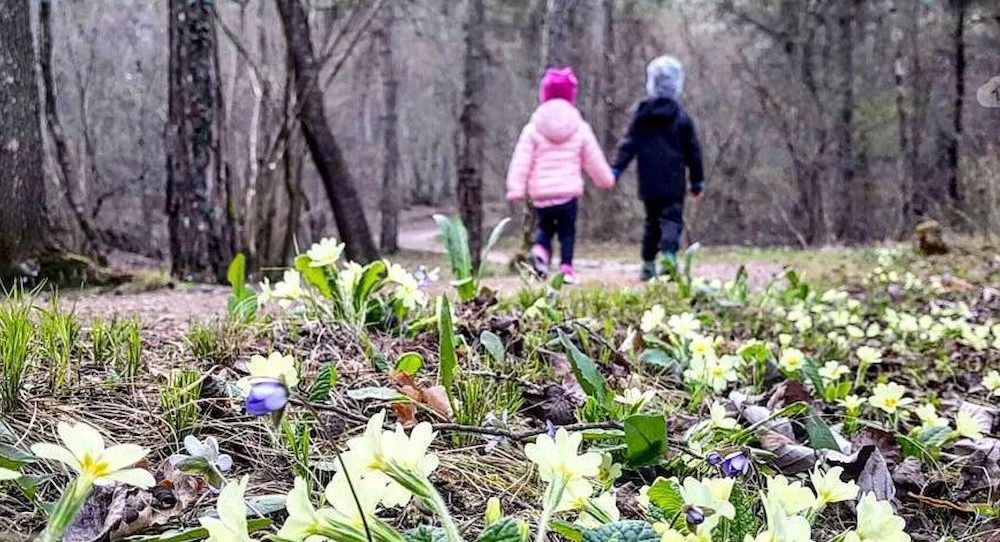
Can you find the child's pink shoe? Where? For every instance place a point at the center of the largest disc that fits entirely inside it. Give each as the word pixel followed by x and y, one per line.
pixel 540 260
pixel 569 276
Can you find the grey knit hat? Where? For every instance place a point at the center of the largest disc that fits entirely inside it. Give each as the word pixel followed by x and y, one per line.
pixel 664 78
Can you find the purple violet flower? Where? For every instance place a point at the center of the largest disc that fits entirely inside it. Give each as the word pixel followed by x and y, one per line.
pixel 735 464
pixel 266 396
pixel 713 459
pixel 694 517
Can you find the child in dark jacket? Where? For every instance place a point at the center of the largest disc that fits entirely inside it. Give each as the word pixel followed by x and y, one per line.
pixel 662 139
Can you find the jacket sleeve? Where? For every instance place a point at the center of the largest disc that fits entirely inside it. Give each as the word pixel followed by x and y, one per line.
pixel 521 164
pixel 594 162
pixel 627 148
pixel 692 157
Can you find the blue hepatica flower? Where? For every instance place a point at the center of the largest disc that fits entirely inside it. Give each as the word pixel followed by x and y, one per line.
pixel 735 464
pixel 266 396
pixel 694 517
pixel 714 459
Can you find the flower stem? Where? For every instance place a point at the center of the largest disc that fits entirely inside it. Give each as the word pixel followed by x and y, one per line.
pixel 553 494
pixel 436 502
pixel 66 509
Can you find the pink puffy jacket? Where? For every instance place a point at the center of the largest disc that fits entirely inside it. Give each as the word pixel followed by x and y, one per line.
pixel 548 157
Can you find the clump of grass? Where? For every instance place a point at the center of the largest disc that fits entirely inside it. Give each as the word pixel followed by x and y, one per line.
pixel 219 342
pixel 101 342
pixel 58 332
pixel 479 396
pixel 179 401
pixel 132 339
pixel 15 341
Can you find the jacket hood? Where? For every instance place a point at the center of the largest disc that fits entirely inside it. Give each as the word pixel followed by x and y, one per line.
pixel 658 108
pixel 664 78
pixel 556 120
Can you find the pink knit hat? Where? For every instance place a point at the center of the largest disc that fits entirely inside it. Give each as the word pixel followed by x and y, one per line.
pixel 558 83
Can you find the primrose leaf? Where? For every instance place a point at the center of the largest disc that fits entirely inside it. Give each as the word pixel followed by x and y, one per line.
pixel 645 439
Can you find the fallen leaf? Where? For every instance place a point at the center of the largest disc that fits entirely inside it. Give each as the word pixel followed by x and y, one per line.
pixel 909 476
pixel 406 414
pixel 868 467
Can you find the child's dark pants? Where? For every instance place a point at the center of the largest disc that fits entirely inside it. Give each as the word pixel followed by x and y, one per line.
pixel 558 220
pixel 663 227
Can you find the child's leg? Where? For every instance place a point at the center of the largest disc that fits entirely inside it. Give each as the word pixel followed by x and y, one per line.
pixel 651 231
pixel 672 226
pixel 545 230
pixel 566 227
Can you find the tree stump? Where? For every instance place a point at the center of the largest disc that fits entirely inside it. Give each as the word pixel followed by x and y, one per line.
pixel 929 238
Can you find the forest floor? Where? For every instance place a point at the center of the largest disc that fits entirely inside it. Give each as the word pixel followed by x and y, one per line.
pixel 164 305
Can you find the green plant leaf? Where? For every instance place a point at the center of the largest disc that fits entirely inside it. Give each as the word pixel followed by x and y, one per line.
pixel 666 495
pixel 811 371
pixel 493 345
pixel 425 533
pixel 645 439
pixel 236 274
pixel 14 458
pixel 745 523
pixel 446 350
pixel 456 244
pixel 371 279
pixel 409 363
pixel 196 533
pixel 585 370
pixel 374 392
pixel 504 530
pixel 313 275
pixel 657 358
pixel 820 436
pixel 567 530
pixel 622 531
pixel 319 392
pixel 495 234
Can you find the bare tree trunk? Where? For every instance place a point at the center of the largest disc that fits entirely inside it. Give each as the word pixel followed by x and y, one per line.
pixel 326 153
pixel 958 65
pixel 391 193
pixel 22 185
pixel 471 151
pixel 906 165
pixel 852 216
pixel 90 242
pixel 201 244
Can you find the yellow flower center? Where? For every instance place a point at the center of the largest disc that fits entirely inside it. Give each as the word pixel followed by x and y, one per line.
pixel 890 402
pixel 93 467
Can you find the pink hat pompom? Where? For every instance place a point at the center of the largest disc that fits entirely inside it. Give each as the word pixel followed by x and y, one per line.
pixel 558 83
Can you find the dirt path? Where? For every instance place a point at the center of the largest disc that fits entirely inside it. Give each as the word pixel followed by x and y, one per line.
pixel 421 234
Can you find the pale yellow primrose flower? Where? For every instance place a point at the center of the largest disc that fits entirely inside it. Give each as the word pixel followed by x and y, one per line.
pixel 276 366
pixel 928 416
pixel 575 495
pixel 607 504
pixel 889 397
pixel 557 458
pixel 84 452
pixel 793 497
pixel 231 525
pixel 868 355
pixel 852 402
pixel 967 426
pixel 719 417
pixel 711 493
pixel 652 319
pixel 325 253
pixel 992 379
pixel 792 359
pixel 7 474
pixel 782 527
pixel 832 371
pixel 703 347
pixel 370 491
pixel 877 522
pixel 684 325
pixel 289 289
pixel 634 397
pixel 829 487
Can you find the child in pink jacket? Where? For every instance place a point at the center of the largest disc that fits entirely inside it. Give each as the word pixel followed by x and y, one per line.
pixel 553 147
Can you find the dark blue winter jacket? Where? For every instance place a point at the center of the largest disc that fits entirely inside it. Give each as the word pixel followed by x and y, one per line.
pixel 663 141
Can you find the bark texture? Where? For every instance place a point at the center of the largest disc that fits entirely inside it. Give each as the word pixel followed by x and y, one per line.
pixel 201 242
pixel 471 151
pixel 391 193
pixel 22 182
pixel 326 153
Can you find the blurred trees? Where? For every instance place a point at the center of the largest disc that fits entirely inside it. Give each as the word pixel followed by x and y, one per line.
pixel 842 121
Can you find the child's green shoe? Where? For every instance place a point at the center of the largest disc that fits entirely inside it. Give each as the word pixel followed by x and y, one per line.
pixel 669 263
pixel 648 271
